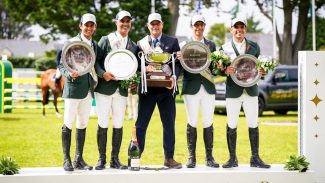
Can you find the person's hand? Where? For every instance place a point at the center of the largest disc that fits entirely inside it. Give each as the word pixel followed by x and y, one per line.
pixel 173 79
pixel 220 67
pixel 230 70
pixel 262 72
pixel 108 76
pixel 133 86
pixel 74 74
pixel 179 55
pixel 150 68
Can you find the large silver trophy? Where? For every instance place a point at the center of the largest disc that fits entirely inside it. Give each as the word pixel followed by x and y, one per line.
pixel 161 75
pixel 78 56
pixel 196 57
pixel 121 63
pixel 246 73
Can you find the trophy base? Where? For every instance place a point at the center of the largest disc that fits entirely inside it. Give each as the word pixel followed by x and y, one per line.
pixel 158 79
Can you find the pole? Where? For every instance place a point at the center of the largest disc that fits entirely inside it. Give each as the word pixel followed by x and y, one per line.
pixel 313 25
pixel 274 30
pixel 153 6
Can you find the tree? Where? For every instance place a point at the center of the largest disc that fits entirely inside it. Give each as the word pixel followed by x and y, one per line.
pixel 217 34
pixel 252 25
pixel 320 35
pixel 9 28
pixel 289 47
pixel 62 16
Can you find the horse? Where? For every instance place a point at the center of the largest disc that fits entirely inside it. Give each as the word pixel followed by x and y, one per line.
pixel 47 83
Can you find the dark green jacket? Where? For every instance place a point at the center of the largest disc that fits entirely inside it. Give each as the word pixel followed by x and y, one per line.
pixel 109 87
pixel 192 82
pixel 232 89
pixel 78 88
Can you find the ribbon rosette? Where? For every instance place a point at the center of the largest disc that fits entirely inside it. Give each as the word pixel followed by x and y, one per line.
pixel 266 63
pixel 219 58
pixel 125 84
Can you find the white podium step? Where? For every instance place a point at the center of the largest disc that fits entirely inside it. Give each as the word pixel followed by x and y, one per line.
pixel 201 174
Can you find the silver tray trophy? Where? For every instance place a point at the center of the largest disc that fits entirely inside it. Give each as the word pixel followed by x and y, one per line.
pixel 246 73
pixel 160 77
pixel 78 56
pixel 196 57
pixel 121 63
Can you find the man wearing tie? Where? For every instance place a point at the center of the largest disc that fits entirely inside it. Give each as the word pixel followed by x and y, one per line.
pixel 163 97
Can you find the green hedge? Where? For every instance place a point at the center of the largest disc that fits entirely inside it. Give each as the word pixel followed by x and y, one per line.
pixel 44 63
pixel 22 62
pixel 40 64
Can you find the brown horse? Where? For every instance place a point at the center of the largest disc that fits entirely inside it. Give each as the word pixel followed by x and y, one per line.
pixel 47 83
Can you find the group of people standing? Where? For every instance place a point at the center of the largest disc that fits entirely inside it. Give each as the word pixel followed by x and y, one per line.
pixel 197 91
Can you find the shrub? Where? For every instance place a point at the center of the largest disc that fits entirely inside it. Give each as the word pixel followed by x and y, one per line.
pixel 22 62
pixel 44 63
pixel 8 166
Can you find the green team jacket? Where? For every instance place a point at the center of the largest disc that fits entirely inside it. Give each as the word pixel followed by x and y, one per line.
pixel 78 88
pixel 232 89
pixel 109 87
pixel 192 82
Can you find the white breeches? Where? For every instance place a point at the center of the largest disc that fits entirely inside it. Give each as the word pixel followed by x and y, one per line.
pixel 79 107
pixel 106 103
pixel 192 104
pixel 250 107
pixel 132 103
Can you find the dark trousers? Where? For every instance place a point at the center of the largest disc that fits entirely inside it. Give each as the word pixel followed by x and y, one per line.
pixel 167 110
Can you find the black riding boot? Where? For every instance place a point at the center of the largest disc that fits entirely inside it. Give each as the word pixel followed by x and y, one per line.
pixel 191 145
pixel 79 163
pixel 231 141
pixel 255 159
pixel 208 142
pixel 66 143
pixel 116 145
pixel 101 142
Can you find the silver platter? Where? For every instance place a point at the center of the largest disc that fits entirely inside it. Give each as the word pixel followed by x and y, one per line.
pixel 78 56
pixel 121 63
pixel 196 57
pixel 246 73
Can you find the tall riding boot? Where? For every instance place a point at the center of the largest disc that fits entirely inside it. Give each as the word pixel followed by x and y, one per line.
pixel 255 159
pixel 101 142
pixel 208 142
pixel 66 143
pixel 231 141
pixel 116 145
pixel 191 145
pixel 79 163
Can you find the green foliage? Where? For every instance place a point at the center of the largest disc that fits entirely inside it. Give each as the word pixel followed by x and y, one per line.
pixel 9 27
pixel 59 17
pixel 252 25
pixel 44 63
pixel 22 62
pixel 320 35
pixel 135 80
pixel 8 166
pixel 217 34
pixel 297 163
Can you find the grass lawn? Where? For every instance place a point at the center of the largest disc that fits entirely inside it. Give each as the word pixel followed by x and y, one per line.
pixel 34 141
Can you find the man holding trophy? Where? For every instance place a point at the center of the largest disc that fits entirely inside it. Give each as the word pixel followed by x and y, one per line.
pixel 110 95
pixel 78 90
pixel 159 48
pixel 238 96
pixel 197 91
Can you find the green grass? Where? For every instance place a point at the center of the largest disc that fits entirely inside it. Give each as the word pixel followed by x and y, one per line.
pixel 34 141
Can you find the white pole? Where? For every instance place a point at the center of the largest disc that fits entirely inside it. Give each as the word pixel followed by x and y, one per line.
pixel 313 25
pixel 274 30
pixel 153 6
